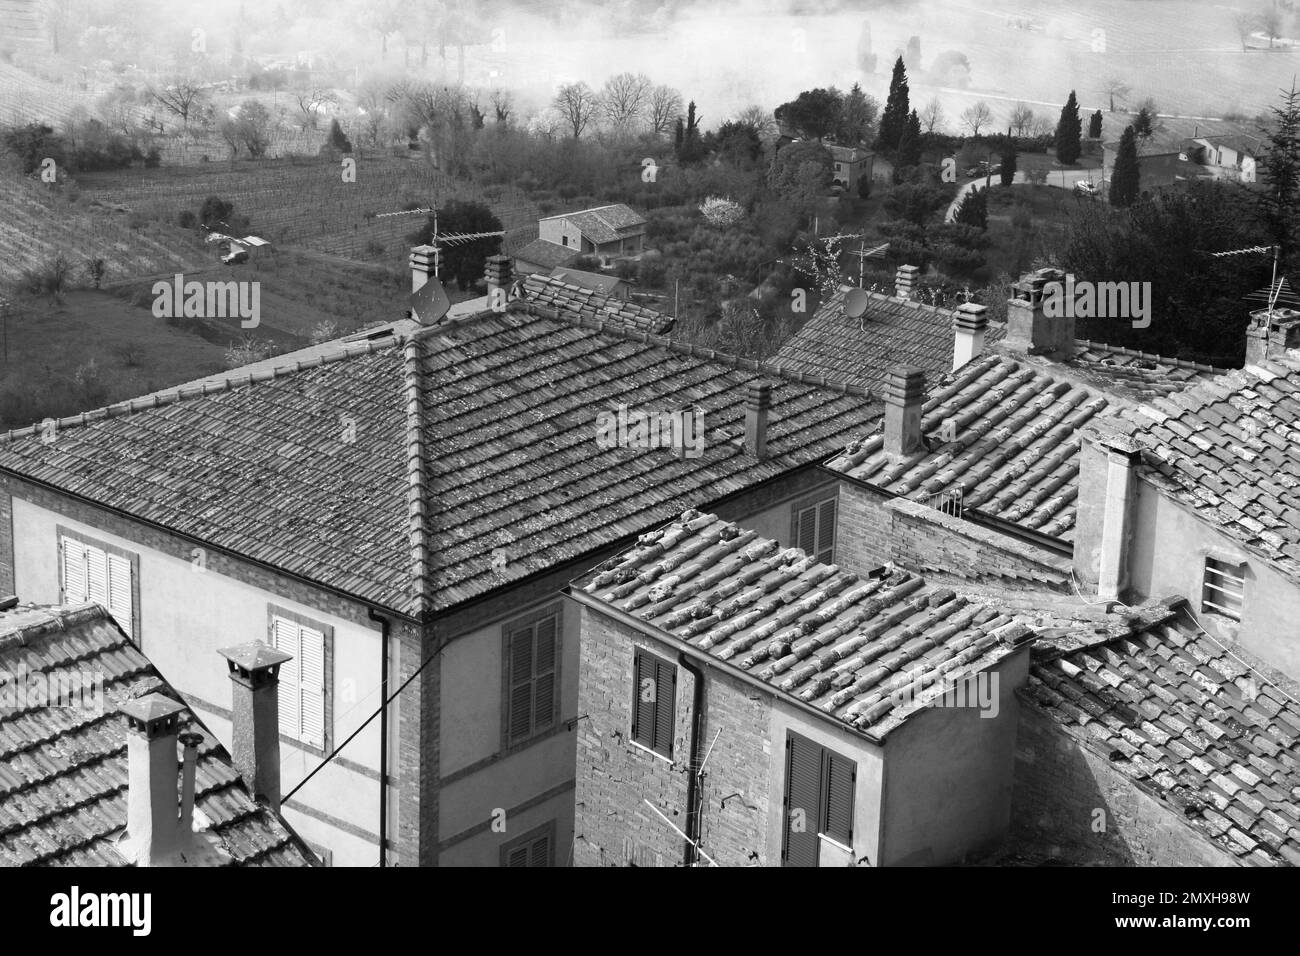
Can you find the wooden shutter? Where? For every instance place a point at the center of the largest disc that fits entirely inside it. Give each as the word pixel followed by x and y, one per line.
pixel 521 683
pixel 643 710
pixel 97 575
pixel 285 635
pixel 803 778
pixel 840 775
pixel 665 698
pixel 544 674
pixel 312 677
pixel 119 591
pixel 518 856
pixel 826 532
pixel 76 587
pixel 540 852
pixel 806 532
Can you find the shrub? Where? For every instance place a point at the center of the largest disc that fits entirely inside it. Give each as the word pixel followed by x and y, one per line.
pixel 187 219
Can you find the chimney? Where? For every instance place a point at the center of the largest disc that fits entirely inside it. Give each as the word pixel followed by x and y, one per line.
pixel 498 276
pixel 1030 330
pixel 152 824
pixel 905 281
pixel 1122 456
pixel 969 325
pixel 904 396
pixel 757 403
pixel 255 716
pixel 423 266
pixel 190 741
pixel 1270 334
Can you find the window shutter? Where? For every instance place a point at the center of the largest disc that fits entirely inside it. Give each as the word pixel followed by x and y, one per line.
pixel 643 711
pixel 285 634
pixel 97 575
pixel 521 683
pixel 312 676
pixel 840 774
pixel 806 534
pixel 541 852
pixel 544 686
pixel 803 774
pixel 518 856
pixel 826 531
pixel 119 591
pixel 665 697
pixel 76 587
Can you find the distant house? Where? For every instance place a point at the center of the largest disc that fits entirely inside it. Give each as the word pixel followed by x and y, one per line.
pixel 542 256
pixel 851 164
pixel 606 232
pixel 1161 162
pixel 1234 157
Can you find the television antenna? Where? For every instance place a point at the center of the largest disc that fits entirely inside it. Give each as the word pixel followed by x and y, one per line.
pixel 863 254
pixel 1278 288
pixel 439 239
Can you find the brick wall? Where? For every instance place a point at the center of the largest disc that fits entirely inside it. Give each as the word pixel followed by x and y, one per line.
pixel 874 530
pixel 1059 787
pixel 615 777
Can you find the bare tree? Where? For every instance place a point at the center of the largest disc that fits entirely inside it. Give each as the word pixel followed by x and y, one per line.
pixel 117 108
pixel 310 102
pixel 576 103
pixel 623 98
pixel 501 106
pixel 181 98
pixel 976 117
pixel 60 18
pixel 1270 21
pixel 1022 117
pixel 1244 23
pixel 931 114
pixel 759 119
pixel 664 106
pixel 1114 87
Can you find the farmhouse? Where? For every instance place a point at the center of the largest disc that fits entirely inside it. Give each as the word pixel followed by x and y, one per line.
pixel 607 233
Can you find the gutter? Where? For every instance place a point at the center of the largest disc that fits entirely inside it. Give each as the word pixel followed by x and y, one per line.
pixel 695 770
pixel 384 626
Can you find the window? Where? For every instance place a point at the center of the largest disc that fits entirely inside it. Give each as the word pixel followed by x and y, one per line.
pixel 304 694
pixel 814 529
pixel 534 848
pixel 532 652
pixel 654 685
pixel 1224 588
pixel 818 800
pixel 93 571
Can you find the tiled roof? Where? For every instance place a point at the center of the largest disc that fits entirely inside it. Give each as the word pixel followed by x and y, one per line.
pixel 603 223
pixel 844 645
pixel 847 154
pixel 393 473
pixel 862 351
pixel 1191 725
pixel 547 254
pixel 595 281
pixel 1015 455
pixel 556 293
pixel 1240 142
pixel 1230 450
pixel 63 770
pixel 1134 374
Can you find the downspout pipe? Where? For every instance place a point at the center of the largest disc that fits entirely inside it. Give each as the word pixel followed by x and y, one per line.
pixel 384 627
pixel 693 782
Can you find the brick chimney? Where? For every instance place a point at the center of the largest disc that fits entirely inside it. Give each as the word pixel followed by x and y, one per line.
pixel 904 396
pixel 1269 335
pixel 498 274
pixel 968 325
pixel 757 403
pixel 255 716
pixel 1030 330
pixel 905 281
pixel 1122 458
pixel 153 830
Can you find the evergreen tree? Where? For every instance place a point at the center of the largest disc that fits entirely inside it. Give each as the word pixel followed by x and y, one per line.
pixel 338 140
pixel 1008 160
pixel 1279 201
pixel 1124 178
pixel 894 119
pixel 974 209
pixel 1094 125
pixel 690 147
pixel 909 144
pixel 1069 131
pixel 1142 123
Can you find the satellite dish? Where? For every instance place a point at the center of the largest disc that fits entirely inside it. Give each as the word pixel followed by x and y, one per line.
pixel 855 303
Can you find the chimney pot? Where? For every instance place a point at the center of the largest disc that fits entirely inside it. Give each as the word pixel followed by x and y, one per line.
pixel 758 400
pixel 424 266
pixel 497 272
pixel 1122 455
pixel 969 325
pixel 153 722
pixel 255 716
pixel 905 280
pixel 1271 333
pixel 1030 330
pixel 904 397
pixel 190 741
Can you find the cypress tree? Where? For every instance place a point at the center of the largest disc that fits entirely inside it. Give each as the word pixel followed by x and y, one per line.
pixel 1008 160
pixel 1094 125
pixel 974 209
pixel 1124 178
pixel 1069 131
pixel 894 120
pixel 909 144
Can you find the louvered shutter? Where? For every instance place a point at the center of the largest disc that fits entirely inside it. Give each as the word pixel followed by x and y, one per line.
pixel 826 532
pixel 544 670
pixel 518 856
pixel 806 536
pixel 76 589
pixel 541 852
pixel 643 710
pixel 119 591
pixel 312 677
pixel 803 776
pixel 665 697
pixel 285 634
pixel 97 576
pixel 521 683
pixel 840 773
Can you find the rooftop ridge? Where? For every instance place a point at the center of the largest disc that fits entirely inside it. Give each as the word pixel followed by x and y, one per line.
pixel 661 341
pixel 178 393
pixel 1176 362
pixel 413 373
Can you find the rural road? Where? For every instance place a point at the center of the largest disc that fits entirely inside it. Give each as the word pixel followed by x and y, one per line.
pixel 1060 178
